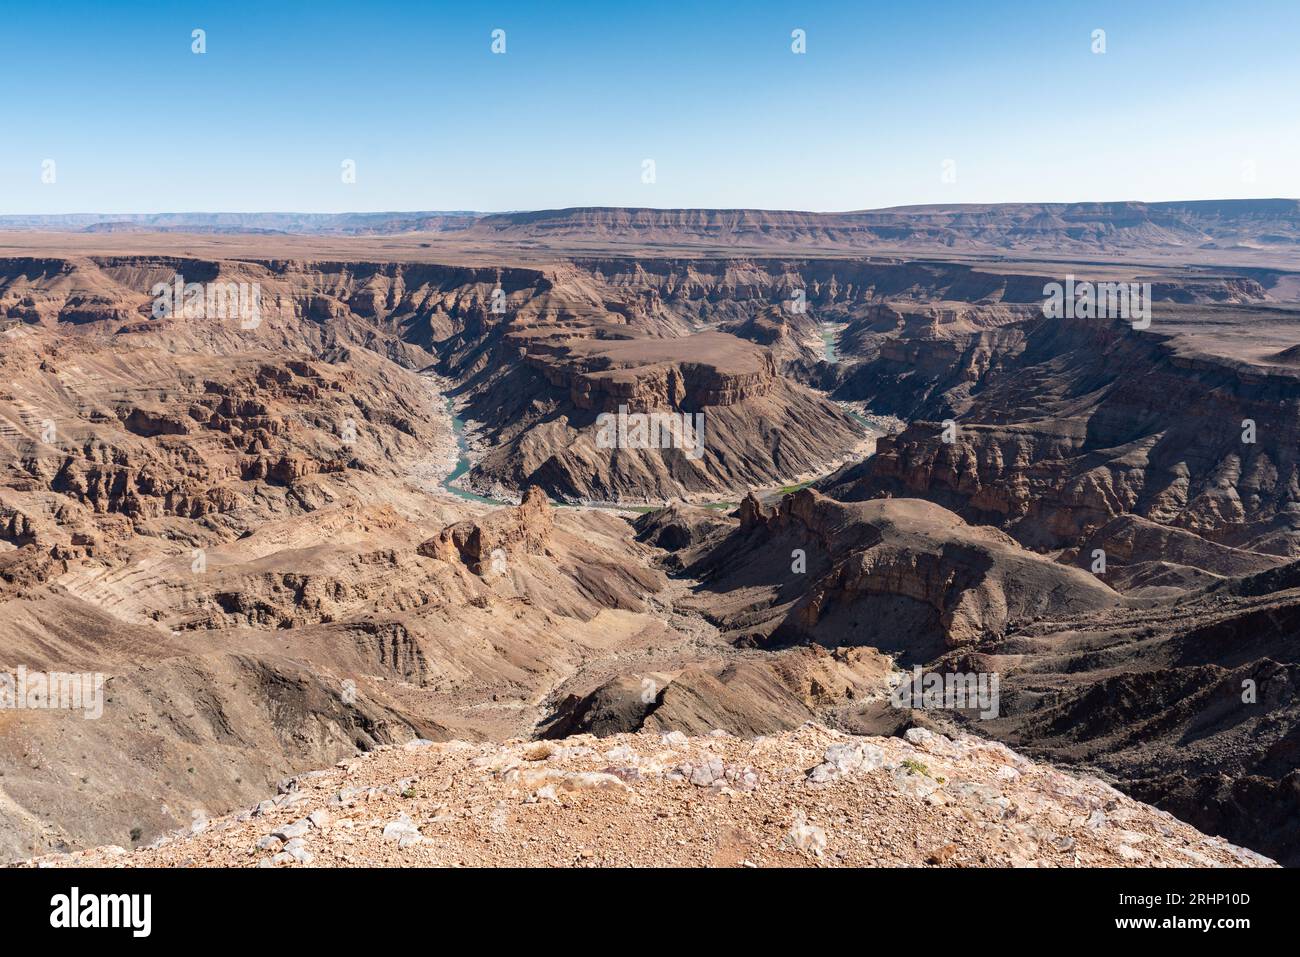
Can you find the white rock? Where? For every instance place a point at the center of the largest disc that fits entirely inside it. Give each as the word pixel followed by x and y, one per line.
pixel 583 780
pixel 289 831
pixel 914 785
pixel 703 775
pixel 400 831
pixel 742 779
pixel 807 837
pixel 297 849
pixel 844 759
pixel 346 797
pixel 569 753
pixel 1200 859
pixel 622 754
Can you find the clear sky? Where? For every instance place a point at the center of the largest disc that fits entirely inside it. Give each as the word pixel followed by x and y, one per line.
pixel 1191 100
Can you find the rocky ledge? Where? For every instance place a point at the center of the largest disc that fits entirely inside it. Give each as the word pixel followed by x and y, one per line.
pixel 808 797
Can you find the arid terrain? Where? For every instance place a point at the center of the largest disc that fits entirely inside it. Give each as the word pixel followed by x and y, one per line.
pixel 808 797
pixel 387 509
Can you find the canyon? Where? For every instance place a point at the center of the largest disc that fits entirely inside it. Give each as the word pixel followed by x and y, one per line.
pixel 383 513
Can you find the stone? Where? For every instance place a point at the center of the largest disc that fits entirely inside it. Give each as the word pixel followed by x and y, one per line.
pixel 807 837
pixel 622 754
pixel 843 759
pixel 742 779
pixel 591 779
pixel 346 797
pixel 289 831
pixel 401 832
pixel 914 784
pixel 703 775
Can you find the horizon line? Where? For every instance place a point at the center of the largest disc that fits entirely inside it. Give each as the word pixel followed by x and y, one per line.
pixel 717 209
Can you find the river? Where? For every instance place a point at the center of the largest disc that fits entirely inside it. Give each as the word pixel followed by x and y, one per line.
pixel 463 462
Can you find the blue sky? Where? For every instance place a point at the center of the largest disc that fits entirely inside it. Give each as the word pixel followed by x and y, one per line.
pixel 1189 101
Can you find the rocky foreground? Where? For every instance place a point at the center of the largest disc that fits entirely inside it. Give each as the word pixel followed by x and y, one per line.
pixel 808 797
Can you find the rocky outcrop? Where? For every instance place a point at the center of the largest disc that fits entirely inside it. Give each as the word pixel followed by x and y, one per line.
pixel 481 544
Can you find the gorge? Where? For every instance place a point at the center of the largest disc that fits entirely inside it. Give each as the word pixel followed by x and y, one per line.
pixel 386 512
